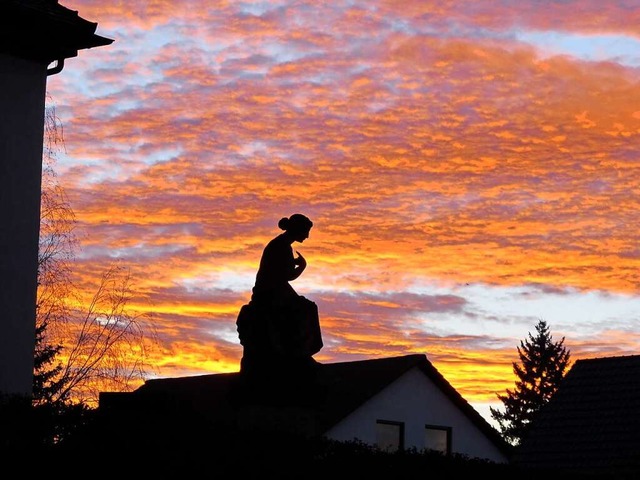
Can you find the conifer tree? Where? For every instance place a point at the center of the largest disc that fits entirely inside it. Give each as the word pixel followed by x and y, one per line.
pixel 543 364
pixel 45 369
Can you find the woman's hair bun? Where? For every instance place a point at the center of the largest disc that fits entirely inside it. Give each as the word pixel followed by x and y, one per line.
pixel 297 221
pixel 283 223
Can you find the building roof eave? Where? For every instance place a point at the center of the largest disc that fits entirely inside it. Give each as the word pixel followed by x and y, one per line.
pixel 45 31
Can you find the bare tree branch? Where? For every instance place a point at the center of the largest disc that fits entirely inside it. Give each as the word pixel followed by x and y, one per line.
pixel 100 346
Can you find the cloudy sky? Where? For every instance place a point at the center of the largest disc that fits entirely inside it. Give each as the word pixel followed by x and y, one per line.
pixel 471 168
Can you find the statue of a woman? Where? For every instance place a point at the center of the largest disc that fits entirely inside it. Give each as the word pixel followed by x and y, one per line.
pixel 279 329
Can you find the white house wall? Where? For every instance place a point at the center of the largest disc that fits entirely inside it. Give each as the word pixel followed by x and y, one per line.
pixel 416 401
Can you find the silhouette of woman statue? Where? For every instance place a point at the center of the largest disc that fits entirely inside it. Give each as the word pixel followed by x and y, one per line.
pixel 279 329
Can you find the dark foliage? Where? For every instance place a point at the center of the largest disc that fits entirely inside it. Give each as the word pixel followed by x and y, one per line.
pixel 45 368
pixel 144 445
pixel 27 426
pixel 543 364
pixel 50 417
pixel 261 455
pixel 218 452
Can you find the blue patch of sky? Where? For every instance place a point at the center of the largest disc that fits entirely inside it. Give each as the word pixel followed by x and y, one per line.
pixel 513 311
pixel 252 148
pixel 160 155
pixel 99 171
pixel 139 251
pixel 403 25
pixel 226 279
pixel 286 52
pixel 124 104
pixel 226 332
pixel 138 47
pixel 256 8
pixel 75 74
pixel 271 53
pixel 66 162
pixel 143 250
pixel 103 173
pixel 621 49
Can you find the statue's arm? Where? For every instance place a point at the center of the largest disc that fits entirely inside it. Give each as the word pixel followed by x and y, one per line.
pixel 299 264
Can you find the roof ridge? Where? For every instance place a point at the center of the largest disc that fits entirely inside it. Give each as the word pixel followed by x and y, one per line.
pixel 614 357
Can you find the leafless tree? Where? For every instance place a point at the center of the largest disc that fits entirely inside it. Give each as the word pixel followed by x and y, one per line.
pixel 58 242
pixel 110 344
pixel 99 346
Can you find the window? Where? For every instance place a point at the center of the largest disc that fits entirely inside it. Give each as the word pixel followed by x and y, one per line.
pixel 437 438
pixel 389 435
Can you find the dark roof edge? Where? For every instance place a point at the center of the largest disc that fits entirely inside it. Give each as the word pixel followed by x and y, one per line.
pixel 611 358
pixel 45 31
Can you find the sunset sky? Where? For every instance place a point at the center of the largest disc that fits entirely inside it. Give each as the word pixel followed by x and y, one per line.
pixel 471 168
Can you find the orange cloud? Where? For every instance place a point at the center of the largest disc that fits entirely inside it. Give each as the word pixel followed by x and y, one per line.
pixel 431 149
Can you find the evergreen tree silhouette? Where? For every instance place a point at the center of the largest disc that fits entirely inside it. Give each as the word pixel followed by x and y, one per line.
pixel 543 364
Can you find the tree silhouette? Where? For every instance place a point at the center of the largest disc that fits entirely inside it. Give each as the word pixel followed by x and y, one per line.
pixel 543 364
pixel 55 252
pixel 80 351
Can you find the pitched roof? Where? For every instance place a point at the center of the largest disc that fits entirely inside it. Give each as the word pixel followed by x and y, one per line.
pixel 592 423
pixel 350 384
pixel 342 388
pixel 44 30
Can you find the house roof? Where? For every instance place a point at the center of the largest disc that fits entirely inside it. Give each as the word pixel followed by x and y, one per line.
pixel 343 387
pixel 592 423
pixel 350 384
pixel 44 30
